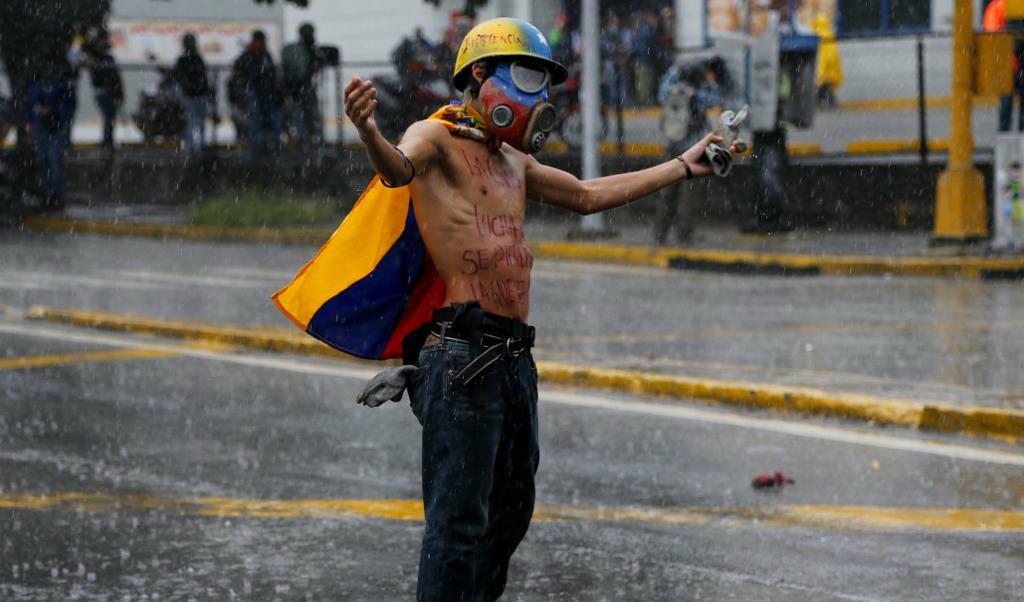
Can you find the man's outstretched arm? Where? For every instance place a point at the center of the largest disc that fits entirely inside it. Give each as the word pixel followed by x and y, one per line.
pixel 396 165
pixel 556 187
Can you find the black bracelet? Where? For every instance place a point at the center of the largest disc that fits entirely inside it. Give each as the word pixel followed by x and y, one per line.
pixel 689 172
pixel 408 163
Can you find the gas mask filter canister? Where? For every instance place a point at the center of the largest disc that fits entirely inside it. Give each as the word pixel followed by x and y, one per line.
pixel 516 107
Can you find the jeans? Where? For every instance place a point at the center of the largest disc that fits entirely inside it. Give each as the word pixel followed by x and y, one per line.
pixel 264 126
pixel 195 123
pixel 679 209
pixel 306 118
pixel 643 84
pixel 616 87
pixel 108 105
pixel 1006 111
pixel 769 188
pixel 480 455
pixel 50 148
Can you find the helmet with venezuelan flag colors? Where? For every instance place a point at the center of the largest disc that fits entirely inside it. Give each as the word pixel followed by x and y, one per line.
pixel 505 37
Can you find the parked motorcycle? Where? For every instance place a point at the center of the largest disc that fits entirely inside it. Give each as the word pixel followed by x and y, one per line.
pixel 161 113
pixel 419 87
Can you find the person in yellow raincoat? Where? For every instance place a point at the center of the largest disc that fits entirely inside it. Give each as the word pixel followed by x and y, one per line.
pixel 830 64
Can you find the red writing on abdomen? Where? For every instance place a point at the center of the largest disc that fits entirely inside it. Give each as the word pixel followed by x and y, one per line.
pixel 501 291
pixel 511 256
pixel 497 226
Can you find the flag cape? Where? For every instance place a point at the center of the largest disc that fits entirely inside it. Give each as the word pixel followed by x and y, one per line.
pixel 373 281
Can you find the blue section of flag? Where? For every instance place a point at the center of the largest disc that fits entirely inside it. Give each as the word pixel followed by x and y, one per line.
pixel 361 319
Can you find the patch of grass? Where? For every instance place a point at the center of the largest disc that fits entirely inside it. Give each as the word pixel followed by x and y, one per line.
pixel 253 211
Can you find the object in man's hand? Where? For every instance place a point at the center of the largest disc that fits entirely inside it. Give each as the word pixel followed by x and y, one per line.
pixel 728 129
pixel 389 384
pixel 767 481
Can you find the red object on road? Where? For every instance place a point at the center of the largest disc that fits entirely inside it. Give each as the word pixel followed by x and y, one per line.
pixel 766 481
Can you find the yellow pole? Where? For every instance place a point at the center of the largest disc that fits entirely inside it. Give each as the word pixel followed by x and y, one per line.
pixel 960 203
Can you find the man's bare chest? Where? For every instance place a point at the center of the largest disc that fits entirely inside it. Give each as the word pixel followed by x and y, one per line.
pixel 491 182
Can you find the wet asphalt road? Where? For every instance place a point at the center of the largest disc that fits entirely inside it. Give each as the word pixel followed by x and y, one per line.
pixel 916 338
pixel 135 439
pixel 176 472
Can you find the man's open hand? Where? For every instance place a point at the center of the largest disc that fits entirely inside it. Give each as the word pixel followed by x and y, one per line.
pixel 694 156
pixel 360 102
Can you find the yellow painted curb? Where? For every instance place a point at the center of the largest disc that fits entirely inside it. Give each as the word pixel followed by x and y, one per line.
pixel 1006 425
pixel 282 340
pixel 875 147
pixel 833 265
pixel 911 103
pixel 636 255
pixel 706 259
pixel 751 395
pixel 799 149
pixel 950 418
pixel 655 149
pixel 631 149
pixel 179 231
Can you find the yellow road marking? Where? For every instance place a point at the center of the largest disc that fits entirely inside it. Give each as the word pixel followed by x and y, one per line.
pixel 855 518
pixel 39 361
pixel 870 518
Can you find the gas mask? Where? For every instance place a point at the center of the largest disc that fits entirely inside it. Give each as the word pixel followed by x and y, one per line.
pixel 516 107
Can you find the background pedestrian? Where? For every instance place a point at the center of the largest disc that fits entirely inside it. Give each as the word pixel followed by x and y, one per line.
pixel 52 102
pixel 830 64
pixel 301 63
pixel 258 76
pixel 190 75
pixel 108 88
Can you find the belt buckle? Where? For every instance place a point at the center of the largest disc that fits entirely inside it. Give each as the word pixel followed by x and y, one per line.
pixel 508 347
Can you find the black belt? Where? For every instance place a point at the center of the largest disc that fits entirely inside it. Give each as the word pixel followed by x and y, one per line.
pixel 468 321
pixel 501 336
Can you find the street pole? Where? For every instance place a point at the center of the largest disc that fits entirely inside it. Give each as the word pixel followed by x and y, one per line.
pixel 960 202
pixel 690 26
pixel 591 101
pixel 339 106
pixel 922 107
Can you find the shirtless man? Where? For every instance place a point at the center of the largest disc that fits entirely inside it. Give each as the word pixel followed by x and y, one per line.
pixel 475 389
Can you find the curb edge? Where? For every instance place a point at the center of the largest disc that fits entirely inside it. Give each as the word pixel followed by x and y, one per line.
pixel 996 423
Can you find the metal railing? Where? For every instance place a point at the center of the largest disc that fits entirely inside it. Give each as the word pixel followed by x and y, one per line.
pixel 140 79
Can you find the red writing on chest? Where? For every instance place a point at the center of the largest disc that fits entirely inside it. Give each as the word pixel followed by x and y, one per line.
pixel 491 170
pixel 481 260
